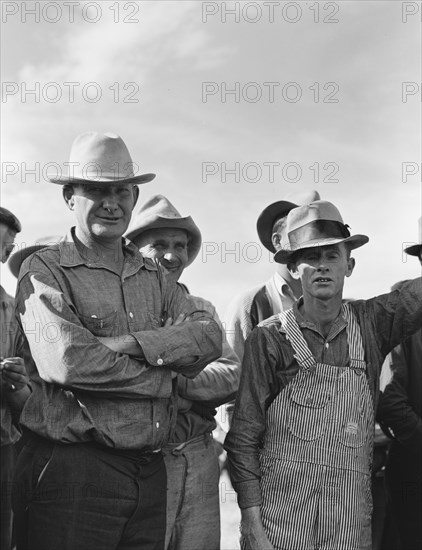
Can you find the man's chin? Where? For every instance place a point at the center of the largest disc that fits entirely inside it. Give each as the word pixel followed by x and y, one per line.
pixel 107 232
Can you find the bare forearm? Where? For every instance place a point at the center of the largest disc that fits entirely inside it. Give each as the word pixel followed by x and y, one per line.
pixel 253 532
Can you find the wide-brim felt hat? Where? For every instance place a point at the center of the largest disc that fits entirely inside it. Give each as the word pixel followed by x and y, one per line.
pixel 19 256
pixel 100 159
pixel 415 249
pixel 277 210
pixel 313 225
pixel 159 213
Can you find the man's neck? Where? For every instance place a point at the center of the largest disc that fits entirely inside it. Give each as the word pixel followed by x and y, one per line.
pixel 110 253
pixel 295 285
pixel 321 313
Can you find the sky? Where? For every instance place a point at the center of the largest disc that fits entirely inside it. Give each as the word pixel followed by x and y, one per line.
pixel 234 105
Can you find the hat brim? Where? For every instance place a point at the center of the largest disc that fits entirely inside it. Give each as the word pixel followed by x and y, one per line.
pixel 268 217
pixel 187 224
pixel 136 180
pixel 284 256
pixel 413 250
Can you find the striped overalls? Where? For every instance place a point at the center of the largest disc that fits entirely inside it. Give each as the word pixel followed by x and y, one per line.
pixel 316 457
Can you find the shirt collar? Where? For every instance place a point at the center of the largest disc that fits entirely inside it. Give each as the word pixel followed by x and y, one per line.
pixel 70 255
pixel 338 325
pixel 282 285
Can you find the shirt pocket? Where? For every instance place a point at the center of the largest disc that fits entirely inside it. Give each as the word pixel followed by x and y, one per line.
pixel 101 326
pixel 308 409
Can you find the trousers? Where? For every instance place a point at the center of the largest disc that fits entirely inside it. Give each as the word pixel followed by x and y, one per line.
pixel 87 497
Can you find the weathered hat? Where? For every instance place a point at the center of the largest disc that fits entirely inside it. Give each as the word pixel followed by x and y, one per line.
pixel 278 210
pixel 100 158
pixel 415 249
pixel 10 220
pixel 158 213
pixel 316 224
pixel 23 252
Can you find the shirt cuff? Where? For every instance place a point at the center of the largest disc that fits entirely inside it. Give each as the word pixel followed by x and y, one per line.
pixel 248 493
pixel 154 354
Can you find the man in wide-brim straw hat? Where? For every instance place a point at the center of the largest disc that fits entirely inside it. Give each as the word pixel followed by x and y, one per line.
pixel 92 474
pixel 300 444
pixel 400 411
pixel 193 513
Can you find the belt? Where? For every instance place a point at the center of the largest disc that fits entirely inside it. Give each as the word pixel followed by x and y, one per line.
pixel 180 446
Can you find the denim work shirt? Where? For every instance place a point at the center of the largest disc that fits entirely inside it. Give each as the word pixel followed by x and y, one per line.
pixel 83 391
pixel 269 366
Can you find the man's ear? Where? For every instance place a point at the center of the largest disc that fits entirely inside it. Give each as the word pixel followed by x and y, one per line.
pixel 276 240
pixel 135 195
pixel 69 196
pixel 350 266
pixel 292 267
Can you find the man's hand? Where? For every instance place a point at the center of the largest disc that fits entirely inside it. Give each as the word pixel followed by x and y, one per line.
pixel 13 373
pixel 182 318
pixel 14 377
pixel 253 533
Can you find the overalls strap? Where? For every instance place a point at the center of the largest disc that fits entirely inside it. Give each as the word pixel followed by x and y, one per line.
pixel 301 350
pixel 354 338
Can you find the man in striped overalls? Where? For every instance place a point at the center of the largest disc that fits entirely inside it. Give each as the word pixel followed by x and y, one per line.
pixel 300 444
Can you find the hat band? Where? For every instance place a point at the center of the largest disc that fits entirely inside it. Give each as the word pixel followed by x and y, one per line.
pixel 96 172
pixel 317 229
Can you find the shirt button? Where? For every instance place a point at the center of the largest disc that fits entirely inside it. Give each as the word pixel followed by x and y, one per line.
pixel 157 425
pixel 130 314
pixel 358 372
pixel 309 400
pixel 327 345
pixel 160 361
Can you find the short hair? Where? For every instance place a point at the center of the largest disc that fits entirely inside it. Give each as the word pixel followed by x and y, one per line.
pixel 9 219
pixel 279 224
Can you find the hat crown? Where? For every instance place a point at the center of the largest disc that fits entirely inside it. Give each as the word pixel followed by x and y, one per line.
pixel 158 205
pixel 316 210
pixel 104 157
pixel 277 210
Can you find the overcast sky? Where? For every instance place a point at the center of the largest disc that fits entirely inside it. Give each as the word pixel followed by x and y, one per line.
pixel 233 105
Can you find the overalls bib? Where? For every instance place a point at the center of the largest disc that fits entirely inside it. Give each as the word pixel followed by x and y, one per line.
pixel 316 457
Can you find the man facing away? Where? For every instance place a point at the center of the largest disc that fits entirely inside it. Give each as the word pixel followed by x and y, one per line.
pixel 13 380
pixel 92 474
pixel 193 513
pixel 300 444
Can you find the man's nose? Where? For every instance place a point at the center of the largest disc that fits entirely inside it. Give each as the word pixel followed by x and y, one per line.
pixel 170 256
pixel 110 203
pixel 322 264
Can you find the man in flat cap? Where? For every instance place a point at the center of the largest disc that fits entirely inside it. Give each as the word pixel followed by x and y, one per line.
pixel 193 513
pixel 13 380
pixel 400 411
pixel 92 474
pixel 301 439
